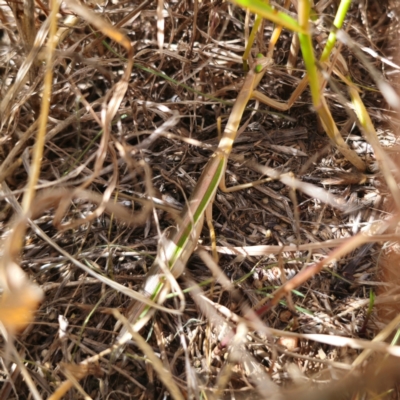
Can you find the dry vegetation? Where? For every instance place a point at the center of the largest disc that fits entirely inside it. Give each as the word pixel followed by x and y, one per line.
pixel 118 167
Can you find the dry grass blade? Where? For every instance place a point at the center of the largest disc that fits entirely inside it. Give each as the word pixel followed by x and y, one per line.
pixel 74 373
pixel 381 336
pixel 164 375
pixel 7 104
pixel 24 14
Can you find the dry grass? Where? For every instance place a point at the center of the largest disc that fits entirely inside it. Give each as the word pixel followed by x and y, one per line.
pixel 123 150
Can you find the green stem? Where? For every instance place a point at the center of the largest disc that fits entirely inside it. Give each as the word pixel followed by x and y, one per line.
pixel 337 24
pixel 308 52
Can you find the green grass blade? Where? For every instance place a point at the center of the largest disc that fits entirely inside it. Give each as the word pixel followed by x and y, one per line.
pixel 268 12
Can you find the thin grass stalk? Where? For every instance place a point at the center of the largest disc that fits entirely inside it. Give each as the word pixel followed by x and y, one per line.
pixel 276 34
pixel 40 139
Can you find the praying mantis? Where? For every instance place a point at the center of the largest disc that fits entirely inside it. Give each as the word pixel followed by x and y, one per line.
pixel 174 252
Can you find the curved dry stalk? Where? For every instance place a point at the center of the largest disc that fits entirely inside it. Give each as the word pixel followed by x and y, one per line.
pixel 20 297
pixel 118 92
